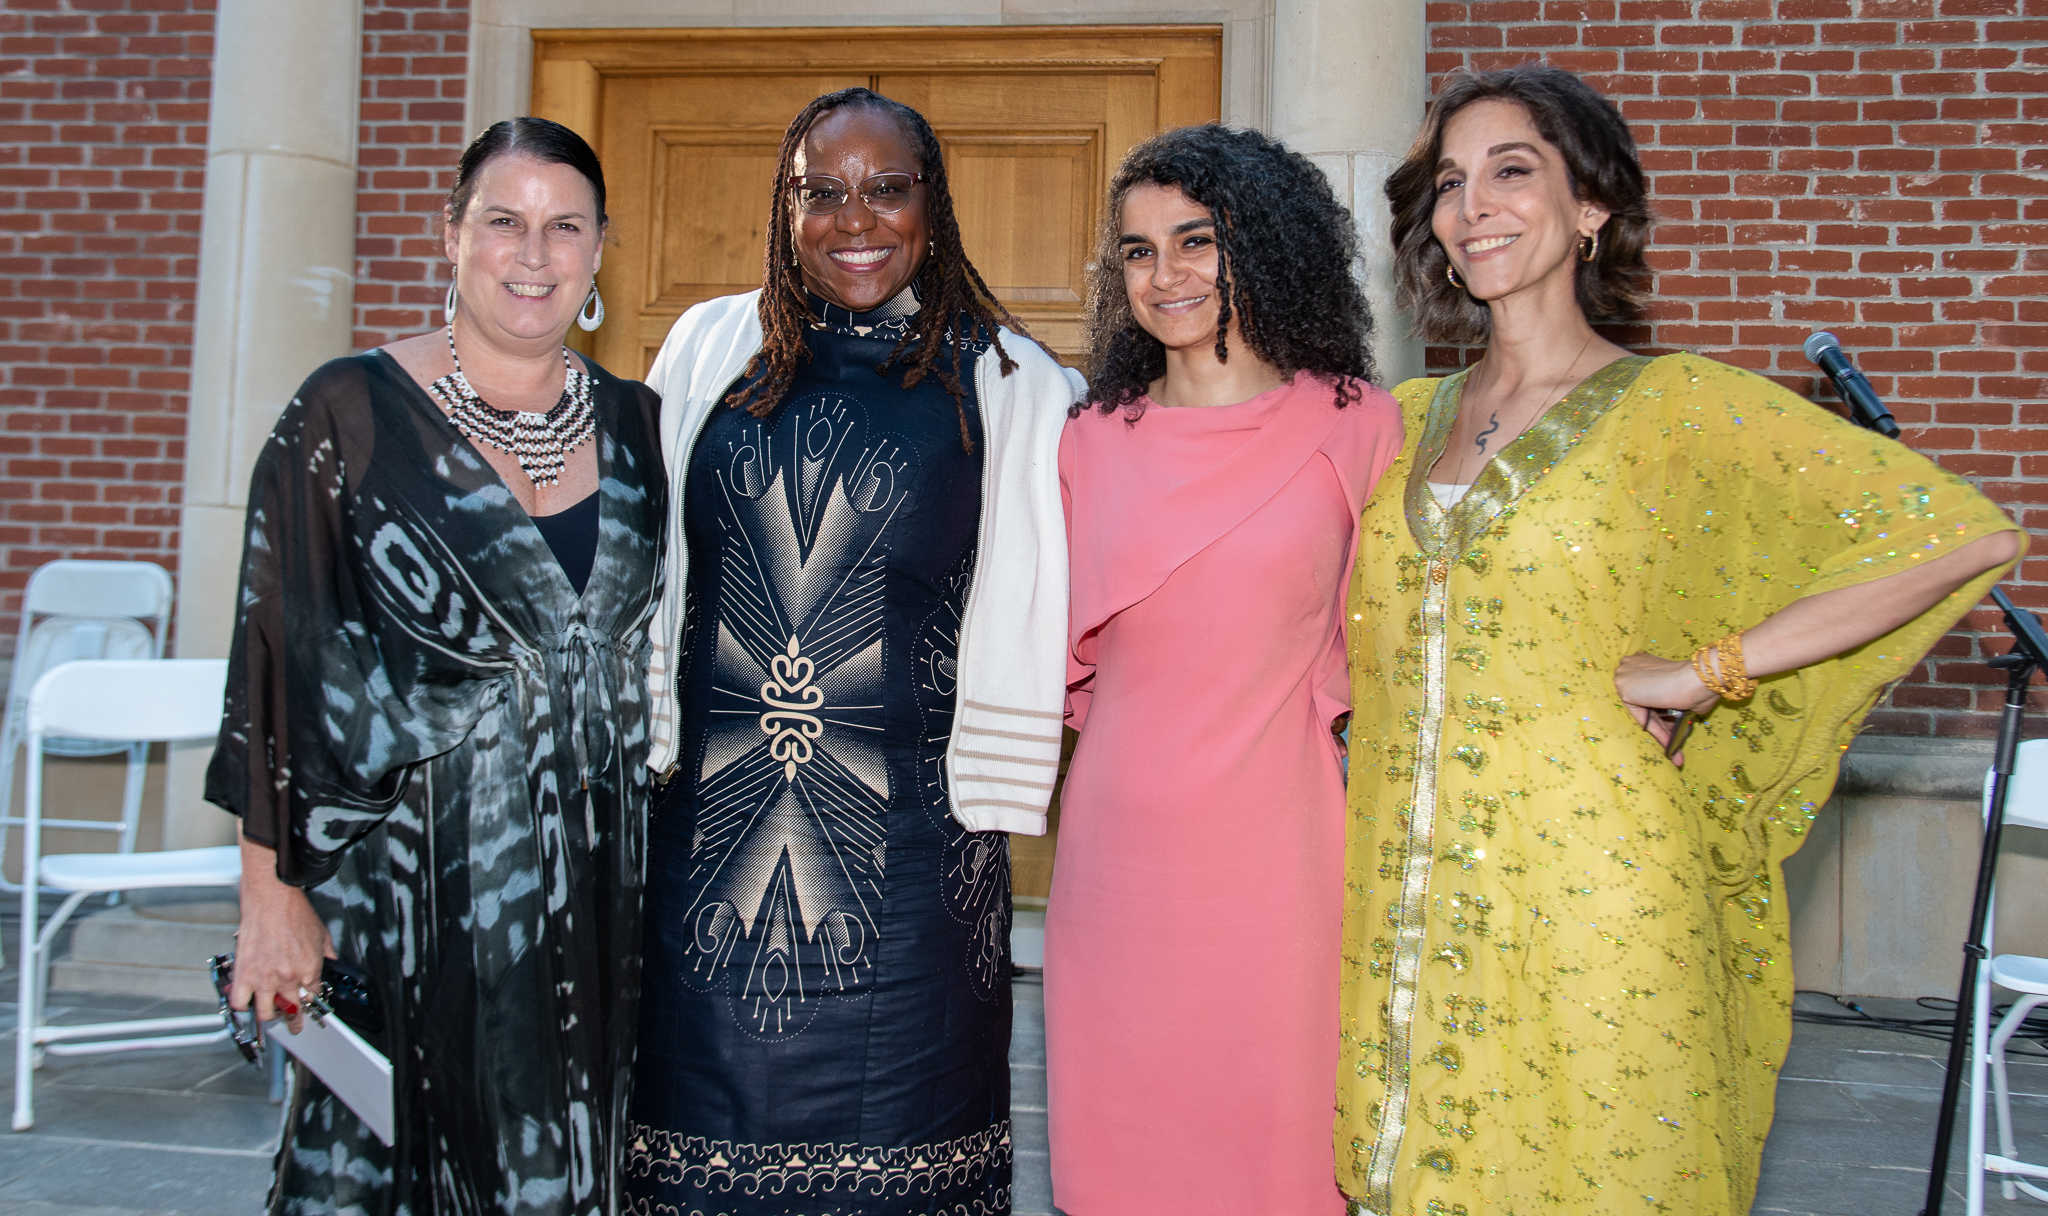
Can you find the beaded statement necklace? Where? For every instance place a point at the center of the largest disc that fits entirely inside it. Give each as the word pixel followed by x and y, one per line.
pixel 541 443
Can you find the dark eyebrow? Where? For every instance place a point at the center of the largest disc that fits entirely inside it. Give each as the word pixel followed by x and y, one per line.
pixel 566 215
pixel 1518 145
pixel 1132 238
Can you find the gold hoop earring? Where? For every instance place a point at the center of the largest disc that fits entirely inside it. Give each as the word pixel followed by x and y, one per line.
pixel 1451 273
pixel 1592 246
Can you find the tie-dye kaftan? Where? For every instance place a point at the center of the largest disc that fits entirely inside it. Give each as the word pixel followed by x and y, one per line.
pixel 446 744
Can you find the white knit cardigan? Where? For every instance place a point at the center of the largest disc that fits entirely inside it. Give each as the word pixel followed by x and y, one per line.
pixel 1005 751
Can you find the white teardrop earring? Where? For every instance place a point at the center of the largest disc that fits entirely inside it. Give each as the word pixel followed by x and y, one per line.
pixel 588 320
pixel 448 307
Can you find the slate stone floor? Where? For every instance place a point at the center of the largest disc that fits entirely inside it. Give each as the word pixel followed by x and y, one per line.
pixel 190 1131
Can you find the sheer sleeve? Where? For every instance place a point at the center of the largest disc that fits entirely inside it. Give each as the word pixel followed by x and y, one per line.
pixel 1764 498
pixel 307 757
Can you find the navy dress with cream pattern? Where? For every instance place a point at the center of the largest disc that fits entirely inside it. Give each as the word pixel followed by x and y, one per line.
pixel 826 1016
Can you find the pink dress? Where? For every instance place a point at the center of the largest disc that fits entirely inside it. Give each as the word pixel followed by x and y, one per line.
pixel 1191 938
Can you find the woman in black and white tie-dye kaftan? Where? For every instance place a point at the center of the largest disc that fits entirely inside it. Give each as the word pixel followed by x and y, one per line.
pixel 446 744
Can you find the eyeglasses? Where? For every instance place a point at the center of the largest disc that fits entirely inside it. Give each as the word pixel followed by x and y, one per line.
pixel 884 193
pixel 243 1028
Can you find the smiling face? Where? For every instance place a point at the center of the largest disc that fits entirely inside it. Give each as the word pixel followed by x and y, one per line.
pixel 526 250
pixel 1168 250
pixel 1505 212
pixel 856 258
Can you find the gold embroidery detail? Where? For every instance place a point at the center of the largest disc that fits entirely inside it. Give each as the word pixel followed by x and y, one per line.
pixel 1411 919
pixel 1508 476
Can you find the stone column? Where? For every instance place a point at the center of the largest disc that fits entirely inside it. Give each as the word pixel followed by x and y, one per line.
pixel 1348 90
pixel 276 299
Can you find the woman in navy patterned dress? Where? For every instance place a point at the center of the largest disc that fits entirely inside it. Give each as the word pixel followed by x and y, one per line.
pixel 827 1008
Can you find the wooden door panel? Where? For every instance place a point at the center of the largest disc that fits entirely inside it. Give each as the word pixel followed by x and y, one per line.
pixel 1026 203
pixel 698 247
pixel 1029 192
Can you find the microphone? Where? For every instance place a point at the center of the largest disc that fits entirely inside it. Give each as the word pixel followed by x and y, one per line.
pixel 1826 353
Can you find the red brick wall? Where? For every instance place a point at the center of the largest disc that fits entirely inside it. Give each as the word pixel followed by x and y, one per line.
pixel 103 113
pixel 103 110
pixel 1873 167
pixel 415 60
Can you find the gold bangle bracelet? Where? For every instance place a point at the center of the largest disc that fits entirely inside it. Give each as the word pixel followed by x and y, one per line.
pixel 1728 676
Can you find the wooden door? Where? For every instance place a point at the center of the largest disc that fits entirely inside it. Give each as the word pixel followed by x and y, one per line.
pixel 1033 122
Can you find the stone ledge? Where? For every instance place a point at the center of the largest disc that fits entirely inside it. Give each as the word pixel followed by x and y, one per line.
pixel 1892 766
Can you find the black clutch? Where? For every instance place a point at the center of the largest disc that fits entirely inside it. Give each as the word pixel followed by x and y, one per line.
pixel 347 992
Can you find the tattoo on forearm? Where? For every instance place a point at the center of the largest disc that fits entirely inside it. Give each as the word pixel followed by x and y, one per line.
pixel 1493 418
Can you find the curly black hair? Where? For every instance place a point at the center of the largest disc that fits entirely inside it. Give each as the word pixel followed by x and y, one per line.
pixel 1599 153
pixel 954 303
pixel 1287 252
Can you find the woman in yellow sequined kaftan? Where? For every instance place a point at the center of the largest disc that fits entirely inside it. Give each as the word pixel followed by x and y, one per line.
pixel 1566 976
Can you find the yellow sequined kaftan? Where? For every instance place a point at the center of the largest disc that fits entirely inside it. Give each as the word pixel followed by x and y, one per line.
pixel 1566 982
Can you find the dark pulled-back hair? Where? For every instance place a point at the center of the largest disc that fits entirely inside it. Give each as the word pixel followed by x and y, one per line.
pixel 1286 251
pixel 1600 157
pixel 548 142
pixel 954 304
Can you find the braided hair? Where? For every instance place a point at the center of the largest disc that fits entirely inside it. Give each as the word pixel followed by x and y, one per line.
pixel 955 305
pixel 1286 251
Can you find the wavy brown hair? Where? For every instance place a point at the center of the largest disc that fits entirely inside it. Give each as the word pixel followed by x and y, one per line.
pixel 1599 155
pixel 955 306
pixel 1286 254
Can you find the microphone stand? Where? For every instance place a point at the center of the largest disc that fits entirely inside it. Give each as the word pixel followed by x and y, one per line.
pixel 2028 655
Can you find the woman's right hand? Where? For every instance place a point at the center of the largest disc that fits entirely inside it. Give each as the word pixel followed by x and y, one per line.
pixel 1659 692
pixel 282 941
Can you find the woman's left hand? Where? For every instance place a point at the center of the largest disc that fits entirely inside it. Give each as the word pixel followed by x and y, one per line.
pixel 1648 684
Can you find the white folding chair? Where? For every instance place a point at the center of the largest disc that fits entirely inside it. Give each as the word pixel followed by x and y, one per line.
pixel 2026 805
pixel 148 700
pixel 82 610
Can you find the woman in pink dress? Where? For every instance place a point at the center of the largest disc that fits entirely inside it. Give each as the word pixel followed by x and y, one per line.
pixel 1213 484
